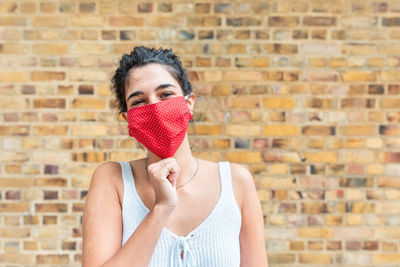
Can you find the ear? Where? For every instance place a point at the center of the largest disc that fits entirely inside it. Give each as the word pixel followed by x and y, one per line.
pixel 124 116
pixel 191 100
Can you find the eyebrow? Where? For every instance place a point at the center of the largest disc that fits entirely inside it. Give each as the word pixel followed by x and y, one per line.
pixel 161 86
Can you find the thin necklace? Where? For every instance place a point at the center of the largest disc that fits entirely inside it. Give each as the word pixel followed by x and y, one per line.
pixel 185 183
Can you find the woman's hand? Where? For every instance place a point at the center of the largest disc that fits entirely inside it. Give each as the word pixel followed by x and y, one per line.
pixel 163 175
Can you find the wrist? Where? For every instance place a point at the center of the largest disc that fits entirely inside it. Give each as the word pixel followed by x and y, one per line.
pixel 163 210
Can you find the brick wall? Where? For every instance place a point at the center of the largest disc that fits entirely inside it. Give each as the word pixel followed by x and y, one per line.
pixel 276 81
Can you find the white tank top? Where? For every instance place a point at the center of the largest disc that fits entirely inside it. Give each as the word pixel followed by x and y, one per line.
pixel 214 243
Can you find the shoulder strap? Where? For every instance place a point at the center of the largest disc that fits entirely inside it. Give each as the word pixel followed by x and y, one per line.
pixel 127 178
pixel 226 178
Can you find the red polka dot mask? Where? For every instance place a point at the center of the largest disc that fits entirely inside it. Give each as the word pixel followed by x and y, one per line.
pixel 160 127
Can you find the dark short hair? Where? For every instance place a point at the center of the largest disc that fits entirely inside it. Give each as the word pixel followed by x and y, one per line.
pixel 141 56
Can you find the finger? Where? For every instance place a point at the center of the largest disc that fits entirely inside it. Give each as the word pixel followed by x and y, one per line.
pixel 172 178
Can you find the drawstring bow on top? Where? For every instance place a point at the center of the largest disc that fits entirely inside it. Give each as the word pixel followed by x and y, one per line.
pixel 180 245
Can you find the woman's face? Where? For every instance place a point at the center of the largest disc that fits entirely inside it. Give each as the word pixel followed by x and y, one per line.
pixel 150 84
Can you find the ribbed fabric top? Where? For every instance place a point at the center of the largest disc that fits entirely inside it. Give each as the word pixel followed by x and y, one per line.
pixel 214 243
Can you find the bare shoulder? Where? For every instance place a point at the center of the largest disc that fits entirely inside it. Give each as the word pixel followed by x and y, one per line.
pixel 242 181
pixel 101 225
pixel 108 168
pixel 107 178
pixel 241 176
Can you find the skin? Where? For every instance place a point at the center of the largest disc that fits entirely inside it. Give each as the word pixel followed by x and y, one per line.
pixel 102 222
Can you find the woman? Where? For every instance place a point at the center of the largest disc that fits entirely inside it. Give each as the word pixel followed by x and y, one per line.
pixel 169 209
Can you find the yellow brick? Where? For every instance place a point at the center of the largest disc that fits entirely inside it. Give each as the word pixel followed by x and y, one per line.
pixel 10 103
pixel 15 182
pixel 210 155
pixel 89 48
pixel 47 76
pixel 374 143
pixel 208 129
pixel 88 76
pixel 313 232
pixel 328 157
pixel 281 130
pixel 318 62
pixel 221 89
pixel 88 103
pixel 14 207
pixel 10 76
pixel 126 21
pixel 264 195
pixel 279 102
pixel 244 157
pixel 165 21
pixel 12 21
pixel 51 207
pixel 278 183
pixel 121 48
pixel 375 169
pixel 354 76
pixel 103 90
pixel 50 49
pixel 389 103
pixel 376 62
pixel 52 259
pixel 261 62
pixel 12 48
pixel 358 156
pixel 222 143
pixel 120 156
pixel 281 258
pixel 297 245
pixel 334 220
pixel 13 156
pixel 8 7
pixel 277 219
pixel 337 62
pixel 242 76
pixel 17 258
pixel 47 21
pixel 88 130
pixel 355 143
pixel 389 182
pixel 278 169
pixel 363 130
pixel 390 75
pixel 108 8
pixel 362 207
pixel 242 130
pixel 244 102
pixel 352 219
pixel 49 103
pixel 87 20
pixel 50 130
pixel 315 258
pixel 58 182
pixel 210 76
pixel 236 49
pixel 315 245
pixel 30 245
pixel 359 49
pixel 386 258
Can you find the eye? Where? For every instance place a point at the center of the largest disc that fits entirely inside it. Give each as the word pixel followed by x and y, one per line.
pixel 167 94
pixel 137 102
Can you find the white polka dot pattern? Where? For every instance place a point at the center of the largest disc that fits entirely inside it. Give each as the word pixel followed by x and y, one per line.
pixel 160 127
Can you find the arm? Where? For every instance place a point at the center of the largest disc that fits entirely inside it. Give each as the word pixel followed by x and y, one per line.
pixel 102 225
pixel 252 243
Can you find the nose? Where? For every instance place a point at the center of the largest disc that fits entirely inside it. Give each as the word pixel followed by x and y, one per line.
pixel 152 99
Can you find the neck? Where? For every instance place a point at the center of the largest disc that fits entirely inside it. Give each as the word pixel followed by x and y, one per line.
pixel 183 157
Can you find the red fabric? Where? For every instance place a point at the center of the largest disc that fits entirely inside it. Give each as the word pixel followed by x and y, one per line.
pixel 160 127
